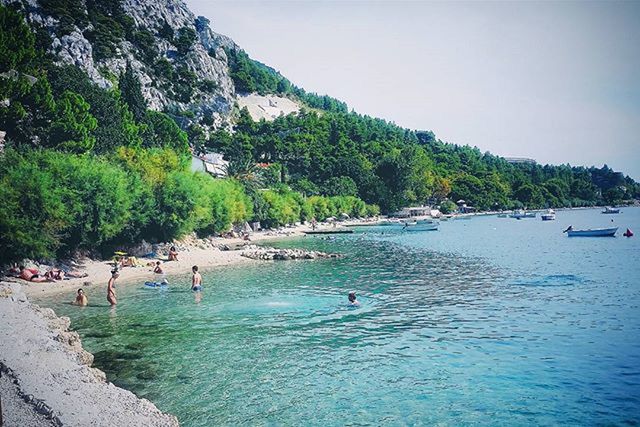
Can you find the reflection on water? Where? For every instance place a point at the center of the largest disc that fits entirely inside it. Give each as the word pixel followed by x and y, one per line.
pixel 460 326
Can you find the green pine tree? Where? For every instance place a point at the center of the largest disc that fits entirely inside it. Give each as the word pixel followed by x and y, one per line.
pixel 132 94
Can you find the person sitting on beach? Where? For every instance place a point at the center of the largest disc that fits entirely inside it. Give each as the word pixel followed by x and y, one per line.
pixel 196 280
pixel 128 261
pixel 352 299
pixel 32 275
pixel 158 269
pixel 173 254
pixel 81 298
pixel 111 293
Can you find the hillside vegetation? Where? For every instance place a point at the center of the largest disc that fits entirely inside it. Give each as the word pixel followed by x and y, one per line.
pixel 88 168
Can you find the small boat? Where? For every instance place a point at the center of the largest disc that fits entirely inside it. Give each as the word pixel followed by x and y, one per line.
pixel 628 233
pixel 424 225
pixel 523 214
pixel 591 232
pixel 550 215
pixel 608 210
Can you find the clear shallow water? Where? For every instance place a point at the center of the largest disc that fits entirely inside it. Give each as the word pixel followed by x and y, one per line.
pixel 487 321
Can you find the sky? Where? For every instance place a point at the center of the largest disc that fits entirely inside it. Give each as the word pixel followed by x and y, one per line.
pixel 558 82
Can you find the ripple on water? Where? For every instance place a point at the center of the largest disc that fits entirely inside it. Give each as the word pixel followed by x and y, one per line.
pixel 550 280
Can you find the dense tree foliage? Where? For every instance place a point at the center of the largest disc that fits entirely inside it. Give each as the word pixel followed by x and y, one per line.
pixel 350 154
pixel 87 168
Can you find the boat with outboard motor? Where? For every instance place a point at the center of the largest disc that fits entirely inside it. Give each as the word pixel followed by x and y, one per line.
pixel 591 232
pixel 420 225
pixel 610 210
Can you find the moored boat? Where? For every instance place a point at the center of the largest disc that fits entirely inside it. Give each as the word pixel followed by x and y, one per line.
pixel 550 215
pixel 423 225
pixel 523 214
pixel 591 232
pixel 612 210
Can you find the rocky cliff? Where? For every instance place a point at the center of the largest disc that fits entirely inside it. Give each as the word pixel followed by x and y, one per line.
pixel 180 62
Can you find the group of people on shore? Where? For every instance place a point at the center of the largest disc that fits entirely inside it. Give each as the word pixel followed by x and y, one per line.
pixel 34 275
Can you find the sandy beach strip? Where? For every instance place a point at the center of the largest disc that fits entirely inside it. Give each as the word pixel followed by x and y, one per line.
pixel 205 256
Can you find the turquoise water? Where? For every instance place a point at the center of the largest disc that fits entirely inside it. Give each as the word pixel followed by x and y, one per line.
pixel 486 321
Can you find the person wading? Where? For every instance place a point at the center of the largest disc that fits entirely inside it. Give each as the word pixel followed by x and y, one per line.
pixel 111 293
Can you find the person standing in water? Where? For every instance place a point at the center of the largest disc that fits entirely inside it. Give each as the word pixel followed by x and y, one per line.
pixel 196 280
pixel 111 293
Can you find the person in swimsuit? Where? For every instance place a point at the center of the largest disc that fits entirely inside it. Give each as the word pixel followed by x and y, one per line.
pixel 111 293
pixel 352 299
pixel 196 280
pixel 173 254
pixel 81 298
pixel 54 274
pixel 32 275
pixel 158 269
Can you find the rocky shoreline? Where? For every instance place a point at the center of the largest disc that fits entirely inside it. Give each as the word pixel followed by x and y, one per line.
pixel 44 365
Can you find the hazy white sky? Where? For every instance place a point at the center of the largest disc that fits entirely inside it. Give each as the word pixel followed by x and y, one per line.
pixel 555 81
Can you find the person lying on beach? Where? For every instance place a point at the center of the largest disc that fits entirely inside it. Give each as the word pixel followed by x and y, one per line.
pixel 196 280
pixel 352 299
pixel 173 254
pixel 81 298
pixel 54 274
pixel 158 269
pixel 111 293
pixel 76 274
pixel 32 275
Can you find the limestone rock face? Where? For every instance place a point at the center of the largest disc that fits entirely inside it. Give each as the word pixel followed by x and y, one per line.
pixel 206 58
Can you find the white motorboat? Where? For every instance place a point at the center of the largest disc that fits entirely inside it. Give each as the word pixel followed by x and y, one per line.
pixel 612 210
pixel 550 215
pixel 421 225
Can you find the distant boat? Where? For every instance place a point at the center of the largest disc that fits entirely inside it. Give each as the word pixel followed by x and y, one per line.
pixel 422 225
pixel 591 232
pixel 523 214
pixel 608 210
pixel 550 215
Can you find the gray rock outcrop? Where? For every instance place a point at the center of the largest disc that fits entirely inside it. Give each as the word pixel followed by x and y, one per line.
pixel 214 93
pixel 269 254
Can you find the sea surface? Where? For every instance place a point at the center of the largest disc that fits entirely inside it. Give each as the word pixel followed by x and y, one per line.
pixel 487 321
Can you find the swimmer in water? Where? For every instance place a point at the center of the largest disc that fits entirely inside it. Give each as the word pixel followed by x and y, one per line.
pixel 81 298
pixel 196 280
pixel 352 299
